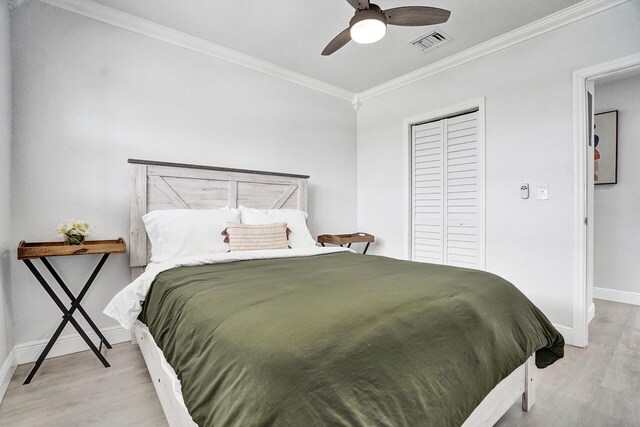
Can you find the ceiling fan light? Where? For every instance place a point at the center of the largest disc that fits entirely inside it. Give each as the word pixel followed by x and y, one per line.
pixel 368 31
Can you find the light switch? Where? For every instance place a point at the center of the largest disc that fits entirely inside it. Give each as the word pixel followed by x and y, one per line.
pixel 524 191
pixel 543 192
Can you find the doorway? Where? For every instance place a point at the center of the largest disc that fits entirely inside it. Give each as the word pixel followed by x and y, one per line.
pixel 584 86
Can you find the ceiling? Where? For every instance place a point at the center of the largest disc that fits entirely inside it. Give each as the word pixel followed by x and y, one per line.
pixel 292 33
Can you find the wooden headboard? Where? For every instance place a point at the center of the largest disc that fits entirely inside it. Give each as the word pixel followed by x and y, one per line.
pixel 159 185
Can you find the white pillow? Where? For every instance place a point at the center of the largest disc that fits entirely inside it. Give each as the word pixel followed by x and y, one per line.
pixel 296 220
pixel 177 233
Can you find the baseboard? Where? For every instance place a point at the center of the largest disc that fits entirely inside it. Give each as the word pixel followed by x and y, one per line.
pixel 6 372
pixel 592 312
pixel 67 344
pixel 615 295
pixel 566 332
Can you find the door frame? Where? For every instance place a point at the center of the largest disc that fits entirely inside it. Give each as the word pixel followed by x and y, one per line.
pixel 580 132
pixel 454 110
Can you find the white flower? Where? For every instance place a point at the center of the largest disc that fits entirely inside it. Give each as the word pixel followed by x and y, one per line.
pixel 61 228
pixel 74 227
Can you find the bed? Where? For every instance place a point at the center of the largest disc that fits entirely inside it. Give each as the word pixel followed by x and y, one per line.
pixel 322 336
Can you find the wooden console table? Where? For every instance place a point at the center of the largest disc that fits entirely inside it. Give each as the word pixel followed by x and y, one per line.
pixel 347 239
pixel 42 250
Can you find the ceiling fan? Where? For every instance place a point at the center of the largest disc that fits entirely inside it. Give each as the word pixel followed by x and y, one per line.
pixel 369 24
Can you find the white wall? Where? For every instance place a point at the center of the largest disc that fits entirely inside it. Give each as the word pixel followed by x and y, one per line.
pixel 617 206
pixel 87 96
pixel 528 139
pixel 6 244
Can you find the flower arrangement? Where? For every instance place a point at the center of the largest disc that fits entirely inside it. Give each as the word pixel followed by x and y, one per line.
pixel 74 232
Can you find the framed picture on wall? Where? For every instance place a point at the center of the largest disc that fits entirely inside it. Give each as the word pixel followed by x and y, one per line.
pixel 606 148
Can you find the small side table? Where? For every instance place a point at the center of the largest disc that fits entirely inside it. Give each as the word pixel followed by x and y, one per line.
pixel 30 251
pixel 347 239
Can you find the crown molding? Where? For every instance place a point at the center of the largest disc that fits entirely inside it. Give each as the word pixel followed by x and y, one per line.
pixel 132 23
pixel 549 23
pixel 356 102
pixel 125 21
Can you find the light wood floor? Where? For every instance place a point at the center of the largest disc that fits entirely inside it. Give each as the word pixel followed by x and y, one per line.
pixel 597 386
pixel 76 390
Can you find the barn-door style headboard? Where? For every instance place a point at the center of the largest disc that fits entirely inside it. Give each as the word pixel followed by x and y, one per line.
pixel 159 185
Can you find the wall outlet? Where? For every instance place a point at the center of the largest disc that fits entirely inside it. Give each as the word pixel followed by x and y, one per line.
pixel 524 191
pixel 543 192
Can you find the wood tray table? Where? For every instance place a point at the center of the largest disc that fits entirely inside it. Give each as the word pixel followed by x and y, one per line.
pixel 347 239
pixel 42 250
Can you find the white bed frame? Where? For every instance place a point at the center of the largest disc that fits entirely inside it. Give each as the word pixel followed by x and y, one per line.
pixel 159 185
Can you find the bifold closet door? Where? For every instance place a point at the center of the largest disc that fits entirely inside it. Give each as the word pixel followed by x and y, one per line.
pixel 428 195
pixel 462 191
pixel 446 203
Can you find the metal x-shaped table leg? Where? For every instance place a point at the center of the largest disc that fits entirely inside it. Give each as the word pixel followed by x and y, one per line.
pixel 67 313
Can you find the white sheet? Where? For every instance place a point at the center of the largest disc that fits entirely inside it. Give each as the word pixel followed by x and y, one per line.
pixel 126 305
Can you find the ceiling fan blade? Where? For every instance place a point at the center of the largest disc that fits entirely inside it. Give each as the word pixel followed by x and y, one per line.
pixel 413 16
pixel 359 4
pixel 338 41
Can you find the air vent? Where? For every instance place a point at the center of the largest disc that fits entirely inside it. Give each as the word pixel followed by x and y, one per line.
pixel 431 40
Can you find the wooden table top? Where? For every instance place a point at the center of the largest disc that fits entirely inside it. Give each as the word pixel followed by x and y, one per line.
pixel 35 250
pixel 343 239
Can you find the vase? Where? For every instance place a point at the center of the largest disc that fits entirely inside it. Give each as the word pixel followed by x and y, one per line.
pixel 73 239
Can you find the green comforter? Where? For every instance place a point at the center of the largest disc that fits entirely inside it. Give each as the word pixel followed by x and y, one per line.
pixel 341 339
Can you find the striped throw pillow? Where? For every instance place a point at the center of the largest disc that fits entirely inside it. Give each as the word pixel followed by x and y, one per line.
pixel 250 237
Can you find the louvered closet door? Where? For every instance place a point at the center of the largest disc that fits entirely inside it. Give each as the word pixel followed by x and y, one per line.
pixel 446 203
pixel 462 170
pixel 427 155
